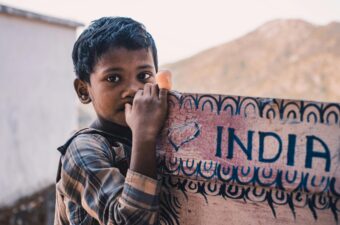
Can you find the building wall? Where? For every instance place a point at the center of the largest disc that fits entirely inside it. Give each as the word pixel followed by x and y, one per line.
pixel 37 103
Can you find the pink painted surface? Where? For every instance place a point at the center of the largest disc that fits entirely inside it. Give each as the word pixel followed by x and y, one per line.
pixel 202 185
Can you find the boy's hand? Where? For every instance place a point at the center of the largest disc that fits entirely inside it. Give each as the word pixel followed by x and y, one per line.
pixel 148 111
pixel 145 117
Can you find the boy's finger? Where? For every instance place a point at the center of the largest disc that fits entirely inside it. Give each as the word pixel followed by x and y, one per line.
pixel 147 89
pixel 163 94
pixel 154 90
pixel 139 93
pixel 127 108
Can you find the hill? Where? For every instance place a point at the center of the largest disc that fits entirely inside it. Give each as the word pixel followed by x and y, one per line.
pixel 282 59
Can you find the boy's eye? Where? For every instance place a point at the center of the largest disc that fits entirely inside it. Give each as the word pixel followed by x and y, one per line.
pixel 144 76
pixel 113 78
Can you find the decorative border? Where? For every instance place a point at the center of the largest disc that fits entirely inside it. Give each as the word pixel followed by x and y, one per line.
pixel 304 111
pixel 285 180
pixel 273 197
pixel 227 183
pixel 170 207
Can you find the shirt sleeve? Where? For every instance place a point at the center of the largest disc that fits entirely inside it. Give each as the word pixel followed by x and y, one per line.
pixel 90 180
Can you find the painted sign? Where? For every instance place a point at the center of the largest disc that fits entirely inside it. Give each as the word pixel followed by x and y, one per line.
pixel 243 160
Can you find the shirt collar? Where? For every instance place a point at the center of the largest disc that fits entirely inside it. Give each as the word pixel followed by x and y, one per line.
pixel 112 128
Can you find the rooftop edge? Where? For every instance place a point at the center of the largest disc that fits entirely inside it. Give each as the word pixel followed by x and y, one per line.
pixel 36 16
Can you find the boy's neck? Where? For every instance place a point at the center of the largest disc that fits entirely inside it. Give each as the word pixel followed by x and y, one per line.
pixel 112 128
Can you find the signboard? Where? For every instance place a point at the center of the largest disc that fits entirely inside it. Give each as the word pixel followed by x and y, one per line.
pixel 243 160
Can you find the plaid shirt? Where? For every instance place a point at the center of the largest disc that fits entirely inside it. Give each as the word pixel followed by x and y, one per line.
pixel 92 187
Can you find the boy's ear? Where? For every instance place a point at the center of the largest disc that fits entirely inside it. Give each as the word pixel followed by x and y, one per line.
pixel 82 91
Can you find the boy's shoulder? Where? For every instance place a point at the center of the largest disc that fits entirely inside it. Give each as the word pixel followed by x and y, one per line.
pixel 88 136
pixel 85 136
pixel 90 141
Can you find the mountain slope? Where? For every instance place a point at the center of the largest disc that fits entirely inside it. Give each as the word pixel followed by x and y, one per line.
pixel 282 59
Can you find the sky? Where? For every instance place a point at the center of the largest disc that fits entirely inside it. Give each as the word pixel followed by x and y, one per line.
pixel 182 28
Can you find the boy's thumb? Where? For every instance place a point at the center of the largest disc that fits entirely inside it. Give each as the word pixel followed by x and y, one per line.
pixel 127 108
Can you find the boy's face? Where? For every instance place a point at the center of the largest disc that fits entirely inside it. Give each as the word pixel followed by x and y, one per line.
pixel 116 77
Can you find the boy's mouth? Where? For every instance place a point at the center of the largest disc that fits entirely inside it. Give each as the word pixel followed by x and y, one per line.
pixel 122 107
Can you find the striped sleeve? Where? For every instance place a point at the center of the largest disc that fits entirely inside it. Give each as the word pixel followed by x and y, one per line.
pixel 141 191
pixel 91 182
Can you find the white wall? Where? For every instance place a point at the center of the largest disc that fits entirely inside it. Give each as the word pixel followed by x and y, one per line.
pixel 37 103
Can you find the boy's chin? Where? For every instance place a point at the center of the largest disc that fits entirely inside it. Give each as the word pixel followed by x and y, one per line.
pixel 123 123
pixel 118 118
pixel 121 120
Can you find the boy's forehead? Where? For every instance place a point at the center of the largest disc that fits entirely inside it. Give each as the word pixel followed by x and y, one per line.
pixel 122 57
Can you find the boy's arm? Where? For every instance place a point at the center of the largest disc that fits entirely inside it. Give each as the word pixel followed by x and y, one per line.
pixel 146 117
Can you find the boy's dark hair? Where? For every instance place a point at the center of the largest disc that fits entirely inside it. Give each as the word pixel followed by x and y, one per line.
pixel 107 33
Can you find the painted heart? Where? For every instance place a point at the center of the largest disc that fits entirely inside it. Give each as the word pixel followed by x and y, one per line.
pixel 180 134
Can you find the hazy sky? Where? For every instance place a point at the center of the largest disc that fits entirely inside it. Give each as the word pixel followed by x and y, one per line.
pixel 182 28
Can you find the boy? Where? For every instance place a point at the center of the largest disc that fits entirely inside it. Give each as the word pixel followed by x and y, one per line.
pixel 107 173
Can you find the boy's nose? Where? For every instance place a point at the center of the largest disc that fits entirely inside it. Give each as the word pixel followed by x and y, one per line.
pixel 131 90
